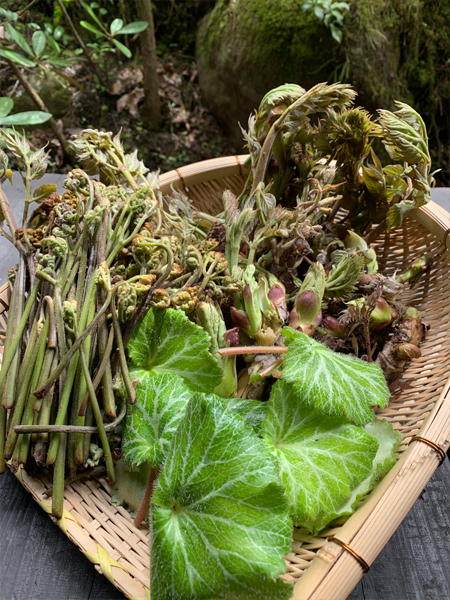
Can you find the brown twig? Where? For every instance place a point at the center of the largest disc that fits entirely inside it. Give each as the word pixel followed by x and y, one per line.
pixel 271 367
pixel 39 103
pixel 375 232
pixel 153 476
pixel 80 41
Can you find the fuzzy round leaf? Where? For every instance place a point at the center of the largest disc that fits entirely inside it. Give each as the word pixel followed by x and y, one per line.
pixel 321 458
pixel 165 341
pixel 153 419
pixel 219 519
pixel 335 384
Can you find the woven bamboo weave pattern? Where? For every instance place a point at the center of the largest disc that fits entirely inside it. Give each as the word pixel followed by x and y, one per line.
pixel 105 532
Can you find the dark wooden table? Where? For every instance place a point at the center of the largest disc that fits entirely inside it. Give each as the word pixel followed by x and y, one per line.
pixel 38 562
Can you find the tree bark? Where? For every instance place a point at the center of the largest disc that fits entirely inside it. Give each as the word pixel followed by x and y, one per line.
pixel 151 113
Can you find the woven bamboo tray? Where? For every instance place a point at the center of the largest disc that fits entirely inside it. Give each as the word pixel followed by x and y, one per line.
pixel 320 569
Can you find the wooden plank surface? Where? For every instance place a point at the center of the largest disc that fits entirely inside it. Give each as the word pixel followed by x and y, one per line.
pixel 38 562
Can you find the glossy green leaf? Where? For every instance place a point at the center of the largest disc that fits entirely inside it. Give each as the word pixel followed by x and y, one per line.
pixel 134 27
pixel 319 12
pixel 91 28
pixel 153 419
pixel 32 117
pixel 92 14
pixel 122 48
pixel 18 38
pixel 333 383
pixel 252 411
pixel 38 42
pixel 58 32
pixel 6 105
pixel 8 14
pixel 321 459
pixel 17 58
pixel 59 62
pixel 165 341
pixel 336 33
pixel 53 44
pixel 116 26
pixel 219 515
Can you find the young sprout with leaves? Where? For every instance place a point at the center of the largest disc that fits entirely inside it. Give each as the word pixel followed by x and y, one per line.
pixel 116 27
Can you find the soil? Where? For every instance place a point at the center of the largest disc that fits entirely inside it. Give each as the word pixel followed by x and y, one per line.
pixel 188 132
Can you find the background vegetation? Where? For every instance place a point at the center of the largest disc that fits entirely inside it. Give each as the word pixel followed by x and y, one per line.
pixel 212 63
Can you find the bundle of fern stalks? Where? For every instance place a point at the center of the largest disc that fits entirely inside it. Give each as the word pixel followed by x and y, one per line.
pixel 230 363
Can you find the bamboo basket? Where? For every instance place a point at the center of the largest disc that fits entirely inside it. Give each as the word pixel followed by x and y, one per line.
pixel 321 569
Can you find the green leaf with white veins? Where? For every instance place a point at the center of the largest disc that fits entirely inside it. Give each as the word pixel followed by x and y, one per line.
pixel 219 516
pixel 333 383
pixel 165 341
pixel 388 440
pixel 321 458
pixel 153 419
pixel 252 411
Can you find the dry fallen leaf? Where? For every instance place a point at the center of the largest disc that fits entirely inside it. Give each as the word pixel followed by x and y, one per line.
pixel 127 79
pixel 131 101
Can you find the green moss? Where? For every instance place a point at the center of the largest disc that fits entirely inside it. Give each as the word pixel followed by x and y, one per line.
pixel 274 41
pixel 380 39
pixel 56 98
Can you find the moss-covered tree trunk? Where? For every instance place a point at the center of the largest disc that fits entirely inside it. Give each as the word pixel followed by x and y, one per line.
pixel 152 106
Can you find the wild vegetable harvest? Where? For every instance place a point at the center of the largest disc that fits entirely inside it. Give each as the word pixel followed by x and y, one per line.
pixel 246 349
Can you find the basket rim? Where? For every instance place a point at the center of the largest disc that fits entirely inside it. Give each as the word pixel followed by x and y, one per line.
pixel 334 572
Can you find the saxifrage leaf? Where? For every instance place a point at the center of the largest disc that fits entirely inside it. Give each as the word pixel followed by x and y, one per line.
pixel 165 341
pixel 219 517
pixel 334 383
pixel 321 458
pixel 153 419
pixel 388 440
pixel 252 411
